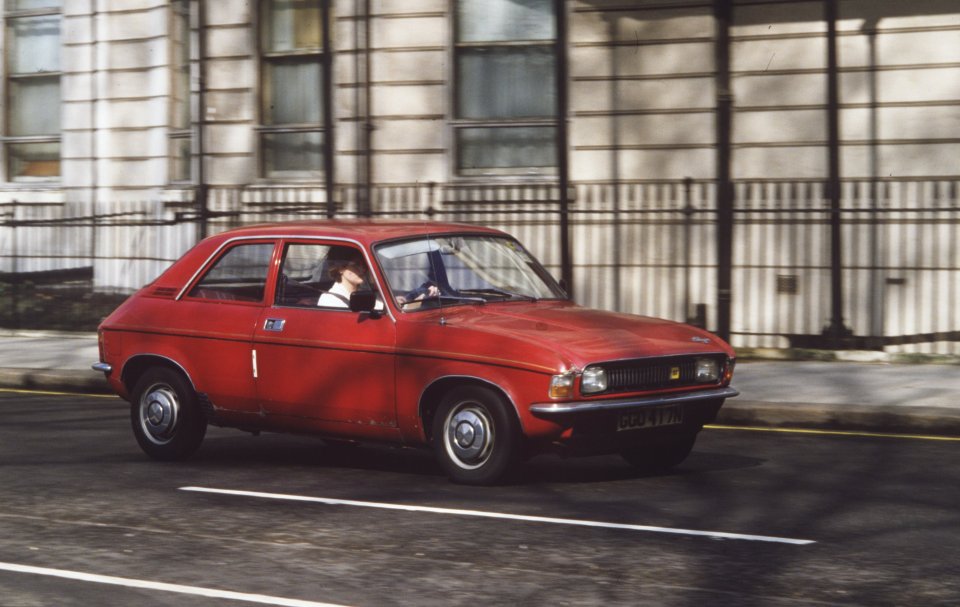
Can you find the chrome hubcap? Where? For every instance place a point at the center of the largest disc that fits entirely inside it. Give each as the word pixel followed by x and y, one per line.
pixel 469 436
pixel 159 411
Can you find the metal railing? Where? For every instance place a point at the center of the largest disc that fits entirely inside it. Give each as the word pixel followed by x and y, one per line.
pixel 640 247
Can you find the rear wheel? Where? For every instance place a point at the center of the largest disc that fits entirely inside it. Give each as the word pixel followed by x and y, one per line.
pixel 475 435
pixel 661 455
pixel 166 419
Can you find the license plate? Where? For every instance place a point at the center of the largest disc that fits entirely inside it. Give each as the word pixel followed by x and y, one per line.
pixel 653 417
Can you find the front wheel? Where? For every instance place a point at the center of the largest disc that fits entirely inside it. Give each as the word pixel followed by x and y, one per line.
pixel 476 436
pixel 167 422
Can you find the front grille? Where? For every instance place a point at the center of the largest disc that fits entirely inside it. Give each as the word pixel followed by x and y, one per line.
pixel 652 374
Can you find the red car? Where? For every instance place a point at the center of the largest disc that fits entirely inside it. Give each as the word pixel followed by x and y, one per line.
pixel 414 333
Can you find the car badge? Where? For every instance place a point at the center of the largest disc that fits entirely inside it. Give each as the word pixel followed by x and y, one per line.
pixel 674 373
pixel 700 340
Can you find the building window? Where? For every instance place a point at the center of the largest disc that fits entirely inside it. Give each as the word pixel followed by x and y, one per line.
pixel 181 140
pixel 506 96
pixel 32 118
pixel 292 95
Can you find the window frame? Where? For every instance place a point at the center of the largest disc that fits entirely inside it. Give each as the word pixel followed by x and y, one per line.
pixel 177 133
pixel 9 79
pixel 265 128
pixel 457 124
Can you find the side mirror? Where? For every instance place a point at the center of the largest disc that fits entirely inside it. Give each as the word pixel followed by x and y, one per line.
pixel 363 301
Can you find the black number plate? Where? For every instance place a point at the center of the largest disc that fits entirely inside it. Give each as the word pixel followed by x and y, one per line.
pixel 653 417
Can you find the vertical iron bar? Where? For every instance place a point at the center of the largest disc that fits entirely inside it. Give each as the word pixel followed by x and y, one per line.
pixel 877 273
pixel 615 165
pixel 563 169
pixel 723 10
pixel 688 211
pixel 14 269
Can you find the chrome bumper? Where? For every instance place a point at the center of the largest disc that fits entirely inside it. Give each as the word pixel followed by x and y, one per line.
pixel 105 367
pixel 588 406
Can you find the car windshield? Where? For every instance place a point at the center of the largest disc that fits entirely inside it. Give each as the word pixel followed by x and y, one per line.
pixel 474 269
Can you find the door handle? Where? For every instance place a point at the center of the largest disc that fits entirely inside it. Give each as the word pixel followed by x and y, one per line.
pixel 274 324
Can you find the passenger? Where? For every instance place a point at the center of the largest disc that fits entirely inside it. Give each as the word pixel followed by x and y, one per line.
pixel 348 271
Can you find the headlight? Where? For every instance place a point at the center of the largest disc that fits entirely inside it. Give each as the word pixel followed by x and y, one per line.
pixel 708 370
pixel 594 380
pixel 561 386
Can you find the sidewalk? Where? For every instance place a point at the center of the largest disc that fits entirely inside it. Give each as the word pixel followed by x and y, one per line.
pixel 857 396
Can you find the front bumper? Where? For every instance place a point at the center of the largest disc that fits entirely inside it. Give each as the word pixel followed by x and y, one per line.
pixel 593 427
pixel 624 404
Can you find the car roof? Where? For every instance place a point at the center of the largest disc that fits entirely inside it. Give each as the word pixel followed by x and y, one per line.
pixel 366 231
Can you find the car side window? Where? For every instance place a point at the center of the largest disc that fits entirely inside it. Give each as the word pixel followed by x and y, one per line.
pixel 302 277
pixel 321 276
pixel 239 275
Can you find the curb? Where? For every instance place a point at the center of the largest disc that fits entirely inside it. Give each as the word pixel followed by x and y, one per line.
pixel 933 421
pixel 66 380
pixel 843 356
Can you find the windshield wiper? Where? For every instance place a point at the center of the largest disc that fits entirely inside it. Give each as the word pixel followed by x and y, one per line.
pixel 454 298
pixel 501 292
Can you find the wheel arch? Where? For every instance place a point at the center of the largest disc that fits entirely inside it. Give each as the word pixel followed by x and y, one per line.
pixel 434 392
pixel 137 365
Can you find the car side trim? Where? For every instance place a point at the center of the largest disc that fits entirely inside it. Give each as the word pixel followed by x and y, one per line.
pixel 569 408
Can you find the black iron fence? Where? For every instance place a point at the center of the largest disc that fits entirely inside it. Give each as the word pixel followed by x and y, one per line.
pixel 639 247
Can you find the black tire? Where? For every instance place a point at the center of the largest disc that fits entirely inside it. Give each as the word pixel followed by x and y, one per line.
pixel 165 416
pixel 661 455
pixel 476 436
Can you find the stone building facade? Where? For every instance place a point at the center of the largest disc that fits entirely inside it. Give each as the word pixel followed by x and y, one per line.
pixel 351 105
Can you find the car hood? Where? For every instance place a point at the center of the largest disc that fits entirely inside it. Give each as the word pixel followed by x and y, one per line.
pixel 580 336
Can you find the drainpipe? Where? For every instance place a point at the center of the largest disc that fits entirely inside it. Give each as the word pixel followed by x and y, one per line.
pixel 327 96
pixel 94 152
pixel 361 102
pixel 202 190
pixel 563 167
pixel 723 10
pixel 835 330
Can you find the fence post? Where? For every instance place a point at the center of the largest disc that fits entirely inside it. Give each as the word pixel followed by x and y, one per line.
pixel 14 269
pixel 688 211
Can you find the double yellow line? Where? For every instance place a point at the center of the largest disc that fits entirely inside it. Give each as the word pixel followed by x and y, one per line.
pixel 51 393
pixel 836 433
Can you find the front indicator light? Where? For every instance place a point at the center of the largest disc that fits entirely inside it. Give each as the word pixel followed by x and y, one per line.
pixel 561 386
pixel 594 380
pixel 728 371
pixel 708 371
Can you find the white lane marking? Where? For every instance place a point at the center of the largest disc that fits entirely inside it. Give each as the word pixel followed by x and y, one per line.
pixel 261 599
pixel 499 515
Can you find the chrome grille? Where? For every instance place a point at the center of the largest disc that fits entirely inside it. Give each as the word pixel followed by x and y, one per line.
pixel 651 374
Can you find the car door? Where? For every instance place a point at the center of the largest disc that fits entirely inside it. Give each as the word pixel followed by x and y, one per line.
pixel 215 321
pixel 323 367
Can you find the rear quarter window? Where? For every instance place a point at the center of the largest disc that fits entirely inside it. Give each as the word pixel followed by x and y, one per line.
pixel 239 275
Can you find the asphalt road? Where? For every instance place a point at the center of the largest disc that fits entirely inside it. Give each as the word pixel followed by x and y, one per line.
pixel 752 518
